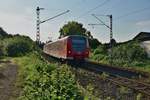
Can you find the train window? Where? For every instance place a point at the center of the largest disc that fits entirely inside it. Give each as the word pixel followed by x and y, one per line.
pixel 78 44
pixel 78 41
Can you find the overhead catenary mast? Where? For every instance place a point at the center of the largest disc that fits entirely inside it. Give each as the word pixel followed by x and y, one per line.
pixel 111 33
pixel 38 22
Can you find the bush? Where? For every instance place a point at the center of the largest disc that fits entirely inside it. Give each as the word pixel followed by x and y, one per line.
pixel 2 51
pixel 18 46
pixel 129 54
pixel 98 57
pixel 54 84
pixel 94 43
pixel 43 81
pixel 100 50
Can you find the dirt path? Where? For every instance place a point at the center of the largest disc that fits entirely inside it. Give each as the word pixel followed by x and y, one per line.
pixel 8 76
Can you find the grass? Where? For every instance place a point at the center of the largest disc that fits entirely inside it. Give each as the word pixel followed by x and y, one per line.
pixel 4 62
pixel 138 65
pixel 40 80
pixel 2 65
pixel 129 55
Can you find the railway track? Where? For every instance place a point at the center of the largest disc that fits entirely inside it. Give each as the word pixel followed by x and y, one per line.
pixel 121 77
pixel 111 86
pixel 132 84
pixel 114 71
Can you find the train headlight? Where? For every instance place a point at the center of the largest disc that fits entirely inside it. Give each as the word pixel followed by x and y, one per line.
pixel 87 52
pixel 69 51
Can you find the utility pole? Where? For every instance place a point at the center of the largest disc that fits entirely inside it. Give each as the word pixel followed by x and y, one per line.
pixel 111 37
pixel 111 33
pixel 38 22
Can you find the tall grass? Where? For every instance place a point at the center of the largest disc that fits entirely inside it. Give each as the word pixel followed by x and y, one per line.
pixel 44 81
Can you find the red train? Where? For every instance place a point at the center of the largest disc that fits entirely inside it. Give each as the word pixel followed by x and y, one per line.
pixel 69 48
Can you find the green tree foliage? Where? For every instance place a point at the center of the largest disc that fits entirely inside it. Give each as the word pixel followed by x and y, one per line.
pixel 1 49
pixel 3 33
pixel 129 54
pixel 75 28
pixel 113 42
pixel 94 43
pixel 18 45
pixel 72 28
pixel 15 45
pixel 101 49
pixel 100 53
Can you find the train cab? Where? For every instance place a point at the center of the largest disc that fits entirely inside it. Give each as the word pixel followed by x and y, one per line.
pixel 77 47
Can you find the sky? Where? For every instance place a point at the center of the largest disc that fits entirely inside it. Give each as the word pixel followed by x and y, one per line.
pixel 129 17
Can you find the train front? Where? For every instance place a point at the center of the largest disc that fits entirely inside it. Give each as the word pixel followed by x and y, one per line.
pixel 77 48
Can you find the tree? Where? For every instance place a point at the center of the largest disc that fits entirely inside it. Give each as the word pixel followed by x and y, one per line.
pixel 3 33
pixel 18 45
pixel 88 34
pixel 94 43
pixel 127 54
pixel 113 42
pixel 74 28
pixel 1 49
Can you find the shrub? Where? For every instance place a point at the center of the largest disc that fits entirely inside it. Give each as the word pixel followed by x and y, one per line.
pixel 94 43
pixel 43 81
pixel 129 52
pixel 18 46
pixel 100 50
pixel 2 51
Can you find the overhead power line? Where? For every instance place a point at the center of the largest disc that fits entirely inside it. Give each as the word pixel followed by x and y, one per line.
pixel 100 5
pixel 131 13
pixel 113 6
pixel 100 21
pixel 111 33
pixel 54 16
pixel 39 22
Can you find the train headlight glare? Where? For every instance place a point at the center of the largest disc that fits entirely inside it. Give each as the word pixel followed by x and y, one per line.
pixel 69 51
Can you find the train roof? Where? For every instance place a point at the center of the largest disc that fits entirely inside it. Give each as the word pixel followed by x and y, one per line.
pixel 66 38
pixel 74 36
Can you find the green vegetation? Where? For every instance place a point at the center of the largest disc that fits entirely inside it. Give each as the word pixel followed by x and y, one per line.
pixel 127 55
pixel 100 54
pixel 94 43
pixel 75 28
pixel 38 79
pixel 1 50
pixel 44 81
pixel 16 45
pixel 3 34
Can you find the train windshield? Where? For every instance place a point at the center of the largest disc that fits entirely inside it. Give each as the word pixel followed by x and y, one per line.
pixel 78 44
